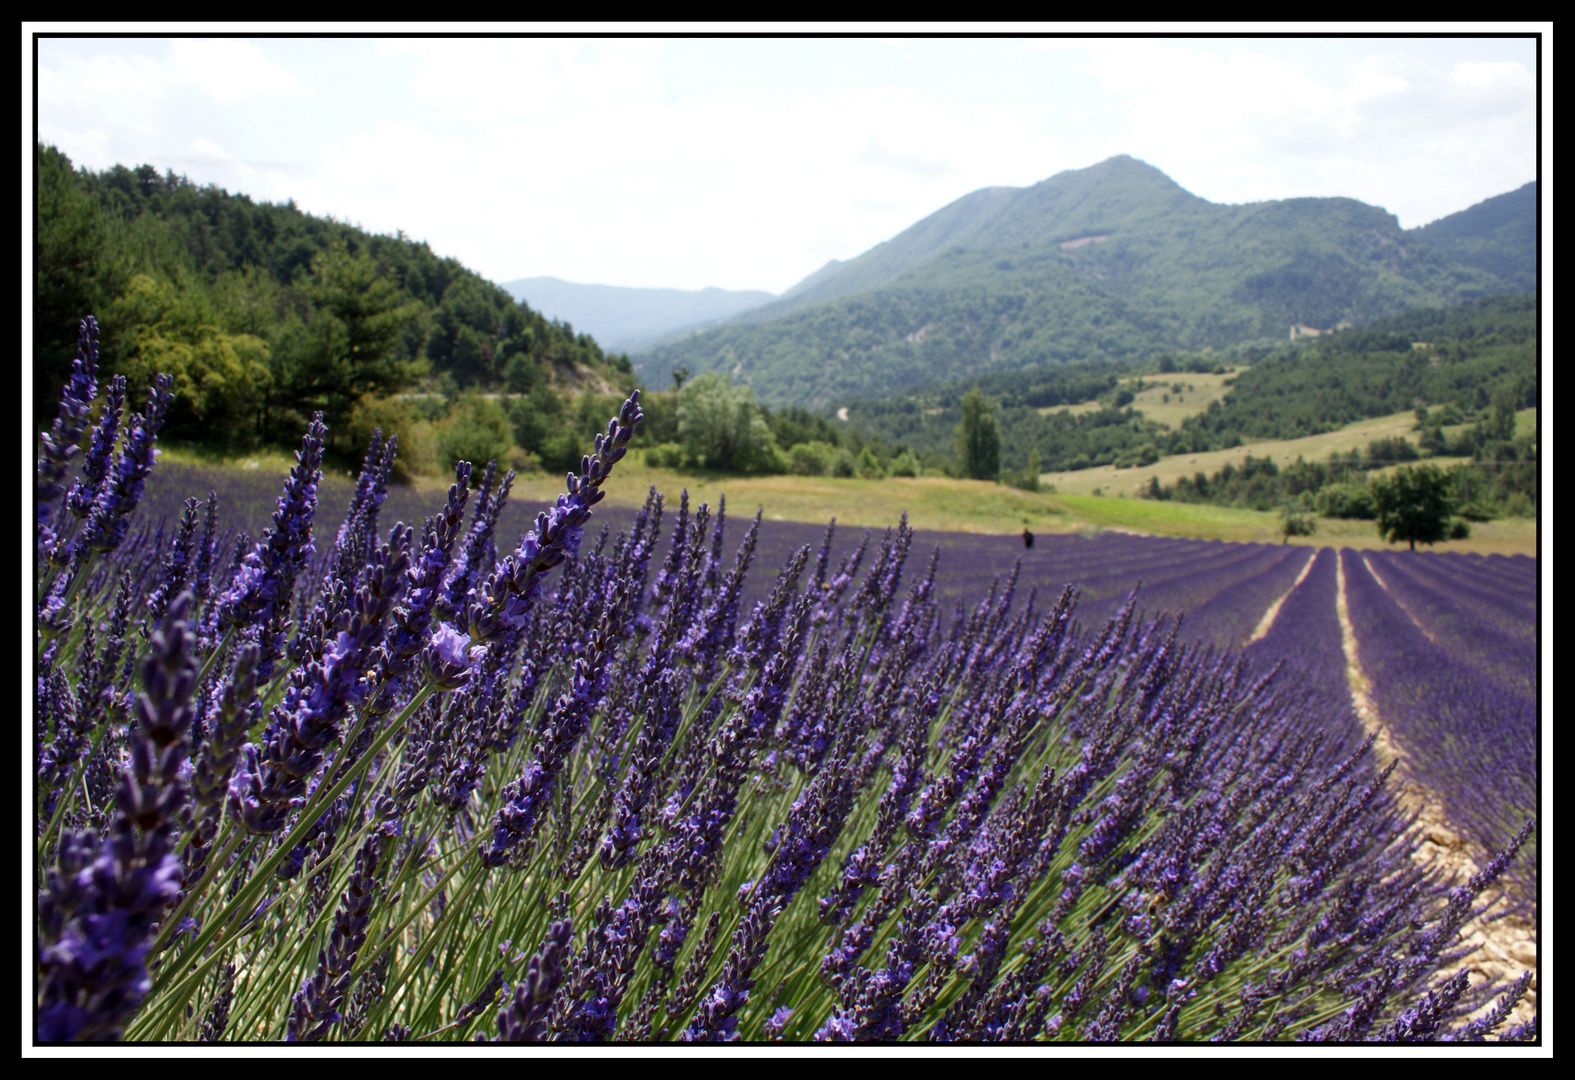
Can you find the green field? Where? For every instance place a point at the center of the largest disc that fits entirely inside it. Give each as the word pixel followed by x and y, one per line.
pixel 1086 501
pixel 977 506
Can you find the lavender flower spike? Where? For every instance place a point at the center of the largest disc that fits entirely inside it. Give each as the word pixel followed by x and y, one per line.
pixel 499 606
pixel 102 903
pixel 525 1019
pixel 122 491
pixel 260 594
pixel 59 444
pixel 447 658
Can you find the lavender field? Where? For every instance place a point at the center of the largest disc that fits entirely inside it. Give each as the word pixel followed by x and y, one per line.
pixel 326 761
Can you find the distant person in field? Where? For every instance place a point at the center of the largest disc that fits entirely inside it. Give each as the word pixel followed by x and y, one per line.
pixel 1028 539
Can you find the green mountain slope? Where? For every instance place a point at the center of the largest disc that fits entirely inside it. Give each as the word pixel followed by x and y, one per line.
pixel 623 318
pixel 1476 352
pixel 1498 235
pixel 951 225
pixel 1112 262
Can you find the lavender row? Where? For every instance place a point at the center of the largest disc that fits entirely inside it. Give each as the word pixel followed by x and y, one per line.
pixel 1305 636
pixel 1498 649
pixel 1465 738
pixel 1188 591
pixel 1232 615
pixel 1512 609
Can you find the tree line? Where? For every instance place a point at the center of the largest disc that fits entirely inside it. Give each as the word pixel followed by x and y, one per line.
pixel 264 314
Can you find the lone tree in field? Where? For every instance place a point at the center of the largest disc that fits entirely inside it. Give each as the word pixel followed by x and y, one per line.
pixel 1412 505
pixel 720 425
pixel 978 439
pixel 1296 519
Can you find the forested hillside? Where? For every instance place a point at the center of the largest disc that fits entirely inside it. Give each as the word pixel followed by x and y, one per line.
pixel 1114 262
pixel 264 313
pixel 1454 362
pixel 1498 235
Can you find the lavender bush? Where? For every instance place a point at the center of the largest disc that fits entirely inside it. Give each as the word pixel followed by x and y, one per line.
pixel 397 788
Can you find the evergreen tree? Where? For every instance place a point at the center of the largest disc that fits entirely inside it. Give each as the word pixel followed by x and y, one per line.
pixel 978 439
pixel 346 345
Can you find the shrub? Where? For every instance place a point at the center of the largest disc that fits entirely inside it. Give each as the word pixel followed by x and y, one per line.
pixel 810 458
pixel 477 430
pixel 536 418
pixel 393 416
pixel 1346 500
pixel 721 427
pixel 665 456
pixel 867 465
pixel 905 464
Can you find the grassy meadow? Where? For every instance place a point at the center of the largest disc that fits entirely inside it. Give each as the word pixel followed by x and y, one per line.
pixel 1090 500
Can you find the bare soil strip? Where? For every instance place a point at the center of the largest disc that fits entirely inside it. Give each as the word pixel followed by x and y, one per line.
pixel 1505 947
pixel 1274 608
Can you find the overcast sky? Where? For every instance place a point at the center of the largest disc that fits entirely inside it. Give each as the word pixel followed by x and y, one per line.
pixel 746 164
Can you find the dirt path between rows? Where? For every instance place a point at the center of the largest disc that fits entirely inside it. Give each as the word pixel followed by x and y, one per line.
pixel 1274 608
pixel 1505 947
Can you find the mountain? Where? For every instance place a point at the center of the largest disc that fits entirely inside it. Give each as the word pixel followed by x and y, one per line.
pixel 1498 235
pixel 623 319
pixel 953 224
pixel 1115 261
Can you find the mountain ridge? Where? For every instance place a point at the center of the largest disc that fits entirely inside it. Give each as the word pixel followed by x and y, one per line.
pixel 1113 261
pixel 624 318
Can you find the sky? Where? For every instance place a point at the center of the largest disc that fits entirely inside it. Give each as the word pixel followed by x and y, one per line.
pixel 747 164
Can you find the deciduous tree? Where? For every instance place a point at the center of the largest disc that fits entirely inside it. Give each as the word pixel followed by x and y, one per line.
pixel 1412 505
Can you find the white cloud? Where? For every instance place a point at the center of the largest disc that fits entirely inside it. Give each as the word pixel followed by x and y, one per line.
pixel 99 91
pixel 486 81
pixel 230 70
pixel 1387 128
pixel 657 193
pixel 1503 75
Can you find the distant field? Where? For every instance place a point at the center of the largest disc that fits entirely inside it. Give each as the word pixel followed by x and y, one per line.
pixel 1112 481
pixel 932 502
pixel 1511 536
pixel 1197 392
pixel 972 506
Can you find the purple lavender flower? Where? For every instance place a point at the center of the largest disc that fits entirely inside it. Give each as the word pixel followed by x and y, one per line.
pixel 259 597
pixel 118 497
pixel 525 1018
pixel 509 591
pixel 316 1007
pixel 447 657
pixel 59 444
pixel 95 465
pixel 103 901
